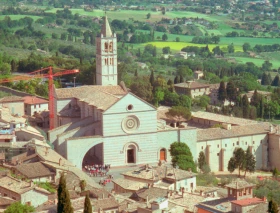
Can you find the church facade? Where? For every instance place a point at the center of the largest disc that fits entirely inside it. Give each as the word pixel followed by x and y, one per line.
pixel 107 124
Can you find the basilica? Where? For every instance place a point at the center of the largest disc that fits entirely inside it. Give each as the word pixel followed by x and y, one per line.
pixel 107 124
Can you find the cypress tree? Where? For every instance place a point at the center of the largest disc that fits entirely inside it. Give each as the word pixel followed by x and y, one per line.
pixel 170 85
pixel 255 98
pixel 152 78
pixel 87 205
pixel 222 93
pixel 176 80
pixel 265 80
pixel 231 91
pixel 272 207
pixel 276 81
pixel 245 106
pixel 64 203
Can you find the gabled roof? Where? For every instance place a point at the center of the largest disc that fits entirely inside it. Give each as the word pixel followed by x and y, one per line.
pixel 33 170
pixel 11 99
pixel 19 186
pixel 101 97
pixel 106 29
pixel 34 100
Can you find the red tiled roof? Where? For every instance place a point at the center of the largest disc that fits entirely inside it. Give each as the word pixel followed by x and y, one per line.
pixel 34 100
pixel 248 201
pixel 11 99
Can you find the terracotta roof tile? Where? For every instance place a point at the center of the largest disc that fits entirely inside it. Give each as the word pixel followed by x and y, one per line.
pixel 100 96
pixel 235 131
pixel 152 193
pixel 239 184
pixel 33 170
pixel 248 201
pixel 129 184
pixel 223 118
pixel 34 100
pixel 105 204
pixel 11 99
pixel 192 85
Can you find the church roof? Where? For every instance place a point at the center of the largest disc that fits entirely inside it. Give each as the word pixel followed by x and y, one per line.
pixel 100 96
pixel 106 29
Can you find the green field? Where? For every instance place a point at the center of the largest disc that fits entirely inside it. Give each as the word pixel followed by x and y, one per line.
pixel 257 61
pixel 17 17
pixel 177 46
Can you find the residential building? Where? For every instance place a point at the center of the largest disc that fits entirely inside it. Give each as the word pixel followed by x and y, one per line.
pixel 37 172
pixel 33 105
pixel 14 103
pixel 192 88
pixel 25 192
pixel 239 199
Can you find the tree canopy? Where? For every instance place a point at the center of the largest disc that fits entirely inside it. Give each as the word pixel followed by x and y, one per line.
pixel 17 207
pixel 182 156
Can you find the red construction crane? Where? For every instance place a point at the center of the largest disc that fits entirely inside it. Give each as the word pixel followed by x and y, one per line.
pixel 44 73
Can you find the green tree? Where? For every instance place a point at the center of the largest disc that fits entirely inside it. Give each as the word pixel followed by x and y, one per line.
pixel 231 91
pixel 231 48
pixel 158 96
pixel 231 165
pixel 249 162
pixel 266 66
pixel 265 79
pixel 276 81
pixel 239 157
pixel 142 88
pixel 87 205
pixel 245 106
pixel 179 113
pixel 246 47
pixel 17 207
pixel 222 93
pixel 64 203
pixel 166 50
pixel 201 160
pixel 164 37
pixel 182 156
pixel 152 78
pixel 148 15
pixel 176 80
pixel 272 207
pixel 275 172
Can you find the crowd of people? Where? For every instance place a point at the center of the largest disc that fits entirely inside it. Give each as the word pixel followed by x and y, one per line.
pixel 96 169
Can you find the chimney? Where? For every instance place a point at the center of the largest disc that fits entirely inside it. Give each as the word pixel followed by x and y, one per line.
pixel 147 201
pixel 264 199
pixel 103 196
pixel 200 193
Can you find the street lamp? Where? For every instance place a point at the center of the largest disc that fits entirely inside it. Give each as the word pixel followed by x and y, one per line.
pixel 74 81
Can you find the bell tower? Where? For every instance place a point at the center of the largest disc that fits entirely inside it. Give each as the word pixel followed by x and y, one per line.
pixel 106 56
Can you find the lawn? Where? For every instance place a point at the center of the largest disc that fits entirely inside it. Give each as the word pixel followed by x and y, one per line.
pixel 257 61
pixel 17 17
pixel 177 46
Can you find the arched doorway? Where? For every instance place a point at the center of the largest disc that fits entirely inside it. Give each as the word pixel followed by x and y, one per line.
pixel 131 154
pixel 162 154
pixel 94 155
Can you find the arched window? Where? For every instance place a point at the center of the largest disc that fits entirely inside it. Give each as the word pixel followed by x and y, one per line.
pixel 106 46
pixel 111 47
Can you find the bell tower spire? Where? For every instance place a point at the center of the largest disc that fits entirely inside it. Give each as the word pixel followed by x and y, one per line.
pixel 106 56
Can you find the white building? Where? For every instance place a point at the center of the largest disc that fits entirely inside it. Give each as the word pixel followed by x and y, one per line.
pixel 104 123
